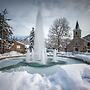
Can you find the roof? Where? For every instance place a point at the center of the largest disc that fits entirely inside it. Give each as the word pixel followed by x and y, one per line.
pixel 20 42
pixel 77 26
pixel 87 37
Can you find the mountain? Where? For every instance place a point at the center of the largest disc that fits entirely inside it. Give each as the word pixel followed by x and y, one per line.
pixel 23 39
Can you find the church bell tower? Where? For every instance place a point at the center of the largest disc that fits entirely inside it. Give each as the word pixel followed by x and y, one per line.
pixel 77 31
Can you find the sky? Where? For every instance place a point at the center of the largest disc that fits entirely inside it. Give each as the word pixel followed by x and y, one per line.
pixel 23 14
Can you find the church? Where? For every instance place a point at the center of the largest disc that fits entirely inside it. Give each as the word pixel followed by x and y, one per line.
pixel 78 44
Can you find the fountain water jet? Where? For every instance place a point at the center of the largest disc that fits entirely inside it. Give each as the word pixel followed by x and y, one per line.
pixel 28 56
pixel 54 55
pixel 39 43
pixel 39 52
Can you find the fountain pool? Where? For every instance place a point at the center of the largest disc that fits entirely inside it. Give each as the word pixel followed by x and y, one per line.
pixel 20 64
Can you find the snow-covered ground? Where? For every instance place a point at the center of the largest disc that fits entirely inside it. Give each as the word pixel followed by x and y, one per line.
pixel 10 54
pixel 83 56
pixel 69 77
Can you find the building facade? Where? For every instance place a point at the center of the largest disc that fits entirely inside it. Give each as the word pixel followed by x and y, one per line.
pixel 78 44
pixel 18 46
pixel 87 38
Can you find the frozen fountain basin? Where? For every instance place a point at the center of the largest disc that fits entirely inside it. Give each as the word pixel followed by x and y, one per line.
pixel 20 64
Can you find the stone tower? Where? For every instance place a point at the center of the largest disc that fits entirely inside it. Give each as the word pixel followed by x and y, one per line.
pixel 77 31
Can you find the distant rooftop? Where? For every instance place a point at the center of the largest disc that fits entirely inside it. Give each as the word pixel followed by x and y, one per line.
pixel 87 37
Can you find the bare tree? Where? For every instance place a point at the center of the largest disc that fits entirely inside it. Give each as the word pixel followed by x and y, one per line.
pixel 57 32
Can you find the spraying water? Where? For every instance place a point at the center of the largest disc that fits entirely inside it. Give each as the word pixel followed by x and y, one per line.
pixel 28 56
pixel 54 55
pixel 39 43
pixel 39 53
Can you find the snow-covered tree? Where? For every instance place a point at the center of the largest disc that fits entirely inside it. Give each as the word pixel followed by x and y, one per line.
pixel 5 28
pixel 5 32
pixel 31 39
pixel 57 32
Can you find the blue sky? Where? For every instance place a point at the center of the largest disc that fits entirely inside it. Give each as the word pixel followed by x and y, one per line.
pixel 23 14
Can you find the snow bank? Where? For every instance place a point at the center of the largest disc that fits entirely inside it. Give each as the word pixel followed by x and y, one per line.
pixel 10 54
pixel 69 77
pixel 83 57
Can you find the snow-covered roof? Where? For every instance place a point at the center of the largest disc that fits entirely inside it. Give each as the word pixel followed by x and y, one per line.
pixel 27 46
pixel 20 42
pixel 87 37
pixel 0 39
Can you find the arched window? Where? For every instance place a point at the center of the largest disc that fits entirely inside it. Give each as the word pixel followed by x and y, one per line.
pixel 76 49
pixel 76 33
pixel 88 44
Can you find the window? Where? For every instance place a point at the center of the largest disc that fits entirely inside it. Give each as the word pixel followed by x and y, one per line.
pixel 76 49
pixel 0 45
pixel 18 46
pixel 88 44
pixel 76 33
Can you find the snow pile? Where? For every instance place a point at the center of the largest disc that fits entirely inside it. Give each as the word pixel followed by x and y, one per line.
pixel 10 54
pixel 65 54
pixel 86 74
pixel 24 81
pixel 83 57
pixel 14 53
pixel 69 77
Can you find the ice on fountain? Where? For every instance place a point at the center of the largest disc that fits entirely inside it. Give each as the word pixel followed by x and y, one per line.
pixel 28 56
pixel 39 52
pixel 39 43
pixel 54 55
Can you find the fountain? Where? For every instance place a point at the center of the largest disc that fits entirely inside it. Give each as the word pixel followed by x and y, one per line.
pixel 37 60
pixel 39 43
pixel 38 56
pixel 37 63
pixel 39 52
pixel 28 55
pixel 54 55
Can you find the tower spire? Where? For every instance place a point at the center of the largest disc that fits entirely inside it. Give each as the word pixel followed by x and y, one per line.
pixel 77 31
pixel 77 25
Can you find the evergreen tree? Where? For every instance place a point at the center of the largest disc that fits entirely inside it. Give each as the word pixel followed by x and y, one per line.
pixel 5 30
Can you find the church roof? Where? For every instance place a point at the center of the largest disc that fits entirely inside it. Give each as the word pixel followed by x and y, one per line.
pixel 87 37
pixel 77 26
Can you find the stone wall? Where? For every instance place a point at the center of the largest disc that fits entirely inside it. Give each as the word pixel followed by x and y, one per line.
pixel 77 44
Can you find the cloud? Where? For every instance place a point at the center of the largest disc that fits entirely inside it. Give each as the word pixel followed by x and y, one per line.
pixel 48 3
pixel 23 13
